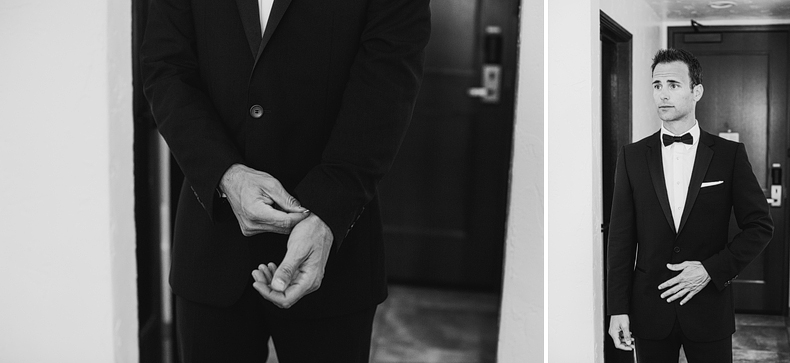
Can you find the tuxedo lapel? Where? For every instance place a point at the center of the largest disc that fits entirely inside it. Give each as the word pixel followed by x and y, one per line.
pixel 278 10
pixel 251 20
pixel 701 163
pixel 655 164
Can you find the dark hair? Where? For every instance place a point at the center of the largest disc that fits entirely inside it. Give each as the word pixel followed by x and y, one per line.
pixel 670 55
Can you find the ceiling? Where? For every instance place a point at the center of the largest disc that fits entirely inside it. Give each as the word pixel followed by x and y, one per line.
pixel 700 10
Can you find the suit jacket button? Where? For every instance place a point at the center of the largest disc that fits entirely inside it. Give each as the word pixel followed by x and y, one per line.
pixel 676 249
pixel 256 111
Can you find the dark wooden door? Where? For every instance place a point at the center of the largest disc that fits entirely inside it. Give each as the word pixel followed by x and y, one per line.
pixel 444 200
pixel 745 75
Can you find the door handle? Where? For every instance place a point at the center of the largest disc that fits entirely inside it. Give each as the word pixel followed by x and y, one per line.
pixel 482 92
pixel 776 185
pixel 491 75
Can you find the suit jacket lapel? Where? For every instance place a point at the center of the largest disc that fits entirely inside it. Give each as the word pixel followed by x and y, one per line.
pixel 251 20
pixel 701 163
pixel 278 10
pixel 655 164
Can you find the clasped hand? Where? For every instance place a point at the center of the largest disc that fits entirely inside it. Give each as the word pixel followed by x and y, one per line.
pixel 691 280
pixel 260 202
pixel 302 269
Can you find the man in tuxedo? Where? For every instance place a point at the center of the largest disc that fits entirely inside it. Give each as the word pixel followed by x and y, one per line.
pixel 283 116
pixel 670 263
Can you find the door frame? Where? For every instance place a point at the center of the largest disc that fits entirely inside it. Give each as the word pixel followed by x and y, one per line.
pixel 671 31
pixel 616 131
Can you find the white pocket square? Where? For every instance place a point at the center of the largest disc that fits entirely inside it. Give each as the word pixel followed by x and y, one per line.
pixel 710 184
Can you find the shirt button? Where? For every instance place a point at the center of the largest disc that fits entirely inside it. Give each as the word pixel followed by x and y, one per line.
pixel 256 111
pixel 676 249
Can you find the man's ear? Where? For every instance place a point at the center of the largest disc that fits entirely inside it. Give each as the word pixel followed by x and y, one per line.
pixel 698 91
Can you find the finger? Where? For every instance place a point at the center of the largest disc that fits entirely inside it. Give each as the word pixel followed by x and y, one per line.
pixel 627 335
pixel 265 218
pixel 672 291
pixel 263 288
pixel 689 296
pixel 678 266
pixel 266 291
pixel 624 343
pixel 285 200
pixel 292 294
pixel 619 344
pixel 668 283
pixel 259 276
pixel 678 295
pixel 286 272
pixel 267 272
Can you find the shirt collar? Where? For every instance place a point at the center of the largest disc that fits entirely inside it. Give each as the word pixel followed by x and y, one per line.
pixel 694 131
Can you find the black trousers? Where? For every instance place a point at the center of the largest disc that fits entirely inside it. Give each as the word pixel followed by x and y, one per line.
pixel 241 334
pixel 667 350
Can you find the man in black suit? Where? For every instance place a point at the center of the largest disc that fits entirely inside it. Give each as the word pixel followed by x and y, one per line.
pixel 283 116
pixel 669 260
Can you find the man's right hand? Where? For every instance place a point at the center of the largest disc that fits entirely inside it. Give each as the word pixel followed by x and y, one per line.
pixel 260 202
pixel 620 331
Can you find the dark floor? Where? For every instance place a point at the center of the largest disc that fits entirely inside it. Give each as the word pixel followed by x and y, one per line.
pixel 759 338
pixel 420 325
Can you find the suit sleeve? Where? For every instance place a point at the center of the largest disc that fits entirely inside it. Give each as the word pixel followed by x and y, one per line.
pixel 754 219
pixel 184 114
pixel 375 112
pixel 622 241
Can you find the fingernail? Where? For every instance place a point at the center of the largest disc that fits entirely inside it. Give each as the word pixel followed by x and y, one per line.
pixel 278 285
pixel 306 211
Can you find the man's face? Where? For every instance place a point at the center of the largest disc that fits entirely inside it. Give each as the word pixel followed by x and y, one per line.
pixel 675 99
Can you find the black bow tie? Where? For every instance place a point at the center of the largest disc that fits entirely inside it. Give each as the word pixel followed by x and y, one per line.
pixel 686 139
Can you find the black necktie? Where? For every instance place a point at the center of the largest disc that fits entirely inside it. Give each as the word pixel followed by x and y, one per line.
pixel 686 139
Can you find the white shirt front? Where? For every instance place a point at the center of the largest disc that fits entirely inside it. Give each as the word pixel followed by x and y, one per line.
pixel 264 9
pixel 678 161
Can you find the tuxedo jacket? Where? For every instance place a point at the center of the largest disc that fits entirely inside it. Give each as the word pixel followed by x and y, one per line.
pixel 321 101
pixel 643 239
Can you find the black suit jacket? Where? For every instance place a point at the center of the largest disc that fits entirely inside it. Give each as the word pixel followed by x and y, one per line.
pixel 642 237
pixel 336 83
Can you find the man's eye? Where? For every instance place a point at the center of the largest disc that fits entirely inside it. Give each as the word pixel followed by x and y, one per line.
pixel 674 85
pixel 656 86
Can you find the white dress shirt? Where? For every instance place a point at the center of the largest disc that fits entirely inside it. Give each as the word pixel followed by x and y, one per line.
pixel 264 9
pixel 678 161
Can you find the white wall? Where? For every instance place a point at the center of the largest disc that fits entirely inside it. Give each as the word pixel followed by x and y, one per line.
pixel 575 289
pixel 67 271
pixel 521 335
pixel 575 246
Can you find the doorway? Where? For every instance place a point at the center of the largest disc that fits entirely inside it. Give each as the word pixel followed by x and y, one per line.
pixel 745 75
pixel 616 83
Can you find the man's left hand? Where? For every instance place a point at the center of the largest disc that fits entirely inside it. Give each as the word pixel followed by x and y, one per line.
pixel 691 280
pixel 302 269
